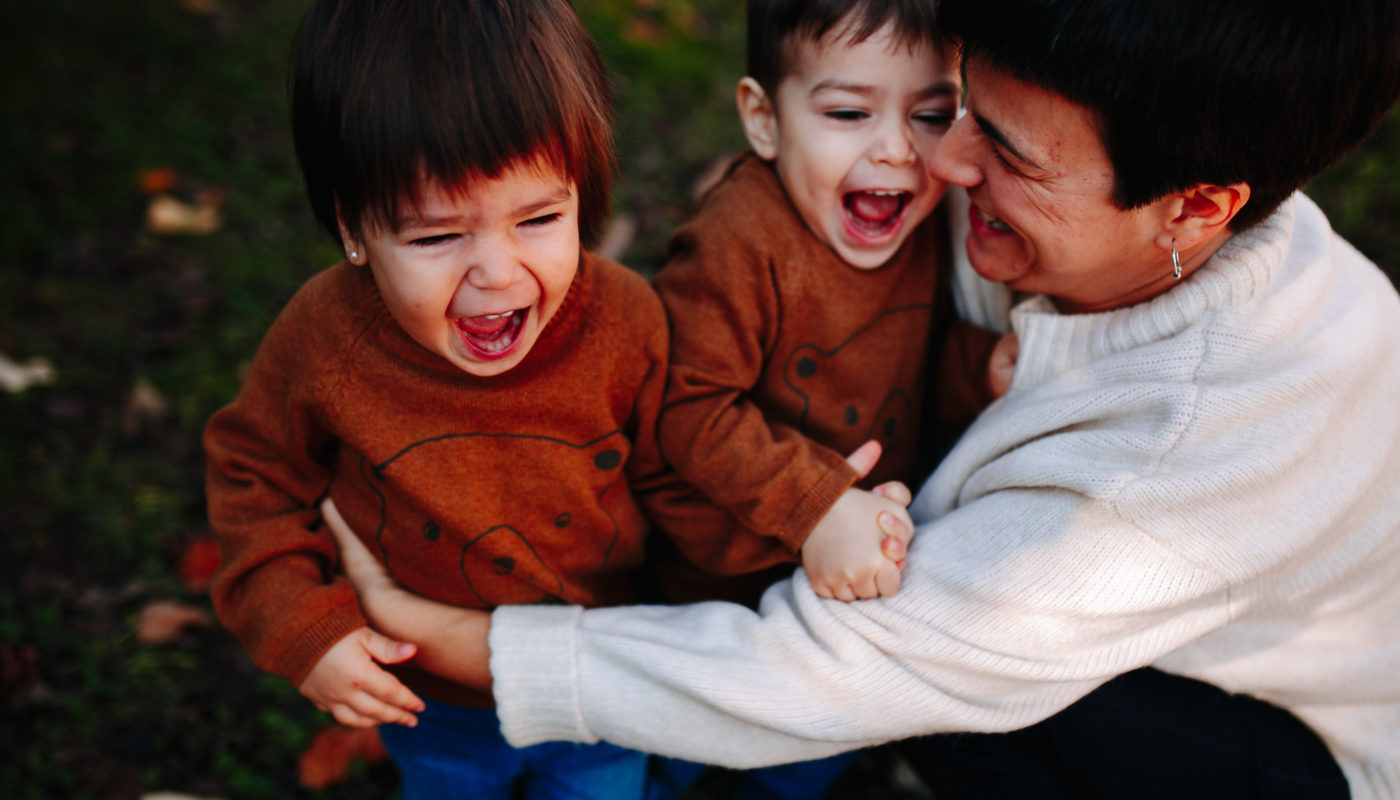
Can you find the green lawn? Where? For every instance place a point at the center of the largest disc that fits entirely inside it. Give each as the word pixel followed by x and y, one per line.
pixel 101 471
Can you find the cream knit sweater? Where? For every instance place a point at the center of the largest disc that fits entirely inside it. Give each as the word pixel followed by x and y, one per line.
pixel 1208 482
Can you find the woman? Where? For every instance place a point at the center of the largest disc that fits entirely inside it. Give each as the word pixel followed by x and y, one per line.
pixel 1194 469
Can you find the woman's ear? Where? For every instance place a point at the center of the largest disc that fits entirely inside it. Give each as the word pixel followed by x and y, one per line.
pixel 1205 210
pixel 760 120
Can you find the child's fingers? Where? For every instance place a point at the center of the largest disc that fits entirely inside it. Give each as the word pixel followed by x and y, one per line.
pixel 864 458
pixel 887 580
pixel 351 718
pixel 388 651
pixel 375 709
pixel 895 492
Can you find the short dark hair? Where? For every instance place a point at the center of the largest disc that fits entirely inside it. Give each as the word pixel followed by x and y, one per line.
pixel 772 23
pixel 386 93
pixel 1264 92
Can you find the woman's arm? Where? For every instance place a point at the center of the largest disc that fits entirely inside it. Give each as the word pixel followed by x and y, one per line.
pixel 452 641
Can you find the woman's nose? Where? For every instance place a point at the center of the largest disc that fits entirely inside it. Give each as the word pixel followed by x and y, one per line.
pixel 954 159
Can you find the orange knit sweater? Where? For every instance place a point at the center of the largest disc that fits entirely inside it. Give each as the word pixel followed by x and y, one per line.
pixel 783 360
pixel 516 488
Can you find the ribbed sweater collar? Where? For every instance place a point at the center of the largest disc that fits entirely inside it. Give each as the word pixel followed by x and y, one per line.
pixel 1051 342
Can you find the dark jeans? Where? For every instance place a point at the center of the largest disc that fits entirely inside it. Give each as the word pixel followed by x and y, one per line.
pixel 1145 734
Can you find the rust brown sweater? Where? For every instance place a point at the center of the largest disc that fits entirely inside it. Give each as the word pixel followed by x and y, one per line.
pixel 516 488
pixel 783 360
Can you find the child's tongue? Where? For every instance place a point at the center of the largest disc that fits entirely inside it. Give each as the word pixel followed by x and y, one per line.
pixel 486 324
pixel 873 209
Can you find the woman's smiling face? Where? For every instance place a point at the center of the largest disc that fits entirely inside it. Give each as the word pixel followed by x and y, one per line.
pixel 1043 218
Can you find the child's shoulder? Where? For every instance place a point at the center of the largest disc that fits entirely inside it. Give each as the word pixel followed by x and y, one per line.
pixel 616 292
pixel 329 309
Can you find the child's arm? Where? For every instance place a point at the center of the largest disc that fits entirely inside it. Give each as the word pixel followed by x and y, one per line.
pixel 855 551
pixel 451 640
pixel 347 683
pixel 974 368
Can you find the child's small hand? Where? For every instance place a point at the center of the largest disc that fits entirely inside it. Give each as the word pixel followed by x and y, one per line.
pixel 348 684
pixel 1001 364
pixel 852 552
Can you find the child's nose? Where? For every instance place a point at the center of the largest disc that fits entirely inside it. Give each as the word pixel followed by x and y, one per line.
pixel 490 266
pixel 895 145
pixel 954 157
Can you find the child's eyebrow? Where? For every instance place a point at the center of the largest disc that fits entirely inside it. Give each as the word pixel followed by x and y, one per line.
pixel 944 87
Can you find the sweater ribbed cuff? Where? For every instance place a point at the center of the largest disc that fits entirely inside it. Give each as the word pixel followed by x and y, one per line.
pixel 534 669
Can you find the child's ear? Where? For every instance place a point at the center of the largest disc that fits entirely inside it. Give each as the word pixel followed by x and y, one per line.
pixel 354 251
pixel 760 120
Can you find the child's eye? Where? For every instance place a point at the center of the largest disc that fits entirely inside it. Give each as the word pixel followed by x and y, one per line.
pixel 847 114
pixel 934 119
pixel 542 220
pixel 429 241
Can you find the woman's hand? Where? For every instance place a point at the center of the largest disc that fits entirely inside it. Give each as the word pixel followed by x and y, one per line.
pixel 451 641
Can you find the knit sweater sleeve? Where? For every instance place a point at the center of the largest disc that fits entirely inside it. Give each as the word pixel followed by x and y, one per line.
pixel 985 634
pixel 722 297
pixel 264 475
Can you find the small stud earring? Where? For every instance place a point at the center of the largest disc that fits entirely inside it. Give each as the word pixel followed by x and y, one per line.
pixel 1176 263
pixel 354 254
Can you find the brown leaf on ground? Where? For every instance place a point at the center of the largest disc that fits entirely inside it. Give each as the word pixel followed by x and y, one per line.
pixel 162 621
pixel 156 180
pixel 200 6
pixel 168 216
pixel 198 564
pixel 19 671
pixel 333 750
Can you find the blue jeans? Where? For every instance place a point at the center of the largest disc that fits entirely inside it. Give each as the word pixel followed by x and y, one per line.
pixel 457 752
pixel 803 780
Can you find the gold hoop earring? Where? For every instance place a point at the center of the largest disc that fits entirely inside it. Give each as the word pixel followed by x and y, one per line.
pixel 1176 263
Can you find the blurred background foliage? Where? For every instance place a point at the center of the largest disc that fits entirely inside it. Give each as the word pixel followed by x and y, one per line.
pixel 153 224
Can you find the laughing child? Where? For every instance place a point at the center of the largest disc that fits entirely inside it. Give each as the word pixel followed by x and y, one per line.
pixel 476 392
pixel 805 300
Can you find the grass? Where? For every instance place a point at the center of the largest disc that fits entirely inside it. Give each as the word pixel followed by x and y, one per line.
pixel 102 491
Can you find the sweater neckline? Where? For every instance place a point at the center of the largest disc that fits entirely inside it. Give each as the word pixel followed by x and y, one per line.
pixel 1051 341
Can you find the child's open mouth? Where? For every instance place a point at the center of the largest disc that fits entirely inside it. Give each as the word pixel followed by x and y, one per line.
pixel 875 213
pixel 492 335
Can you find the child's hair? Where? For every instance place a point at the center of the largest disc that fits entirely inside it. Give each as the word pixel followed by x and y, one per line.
pixel 772 24
pixel 388 93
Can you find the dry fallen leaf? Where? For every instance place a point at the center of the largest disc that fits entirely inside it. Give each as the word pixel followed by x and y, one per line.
pixel 168 216
pixel 19 671
pixel 144 405
pixel 16 377
pixel 333 750
pixel 200 6
pixel 156 180
pixel 198 564
pixel 162 621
